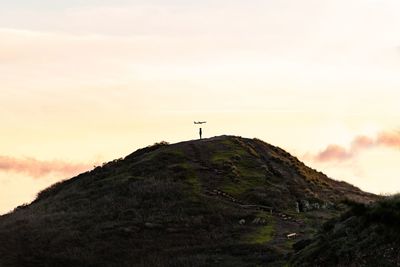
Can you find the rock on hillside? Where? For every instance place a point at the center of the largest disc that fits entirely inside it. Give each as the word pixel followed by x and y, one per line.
pixel 223 201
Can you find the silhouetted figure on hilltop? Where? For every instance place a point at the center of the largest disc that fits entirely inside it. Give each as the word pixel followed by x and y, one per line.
pixel 200 130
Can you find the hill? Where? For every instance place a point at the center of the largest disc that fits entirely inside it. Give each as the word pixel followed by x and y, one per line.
pixel 223 201
pixel 367 235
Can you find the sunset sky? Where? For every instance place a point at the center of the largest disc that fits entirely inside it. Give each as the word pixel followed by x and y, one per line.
pixel 87 81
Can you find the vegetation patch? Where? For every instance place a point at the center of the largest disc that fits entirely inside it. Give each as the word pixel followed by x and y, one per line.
pixel 243 185
pixel 262 235
pixel 221 156
pixel 356 237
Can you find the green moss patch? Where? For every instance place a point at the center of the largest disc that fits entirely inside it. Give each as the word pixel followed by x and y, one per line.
pixel 262 234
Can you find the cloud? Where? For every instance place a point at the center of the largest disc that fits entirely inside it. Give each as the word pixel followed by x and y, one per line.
pixel 335 152
pixel 362 142
pixel 389 139
pixel 38 168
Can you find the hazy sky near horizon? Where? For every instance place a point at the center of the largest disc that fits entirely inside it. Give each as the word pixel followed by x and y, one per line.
pixel 88 81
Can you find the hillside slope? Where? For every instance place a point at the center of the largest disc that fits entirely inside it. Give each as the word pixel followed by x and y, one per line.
pixel 367 235
pixel 223 201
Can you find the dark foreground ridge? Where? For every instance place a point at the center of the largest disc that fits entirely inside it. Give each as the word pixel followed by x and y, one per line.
pixel 223 201
pixel 364 236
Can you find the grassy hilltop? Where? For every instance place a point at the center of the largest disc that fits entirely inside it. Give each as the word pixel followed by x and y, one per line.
pixel 223 201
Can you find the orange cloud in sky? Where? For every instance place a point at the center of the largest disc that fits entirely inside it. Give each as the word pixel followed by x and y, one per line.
pixel 335 152
pixel 389 139
pixel 37 168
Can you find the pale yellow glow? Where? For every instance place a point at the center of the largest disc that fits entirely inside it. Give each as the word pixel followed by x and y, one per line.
pixel 91 83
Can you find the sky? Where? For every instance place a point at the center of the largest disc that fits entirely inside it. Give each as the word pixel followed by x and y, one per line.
pixel 84 82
